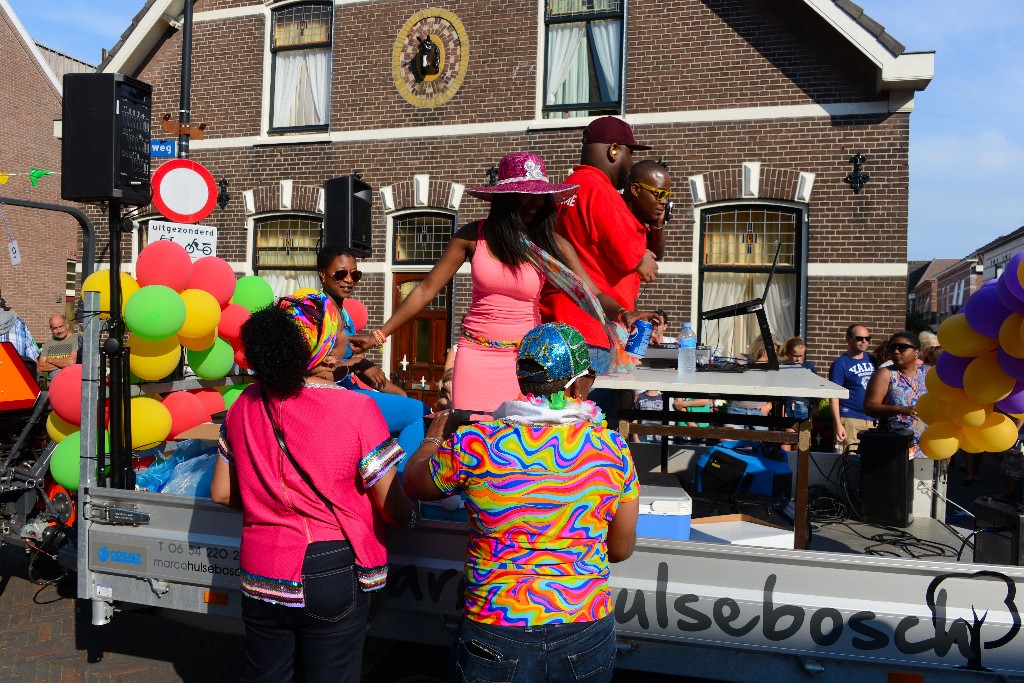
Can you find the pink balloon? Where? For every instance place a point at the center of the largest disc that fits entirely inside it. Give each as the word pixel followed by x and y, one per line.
pixel 164 263
pixel 66 394
pixel 187 411
pixel 213 274
pixel 984 311
pixel 1014 367
pixel 1014 403
pixel 951 369
pixel 231 320
pixel 213 400
pixel 357 311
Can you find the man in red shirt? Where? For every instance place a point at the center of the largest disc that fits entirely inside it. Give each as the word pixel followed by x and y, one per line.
pixel 610 241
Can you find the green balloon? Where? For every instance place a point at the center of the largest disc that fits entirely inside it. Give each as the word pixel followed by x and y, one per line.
pixel 65 460
pixel 231 393
pixel 212 363
pixel 252 293
pixel 154 312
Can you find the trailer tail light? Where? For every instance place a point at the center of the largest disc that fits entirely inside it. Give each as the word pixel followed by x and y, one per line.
pixel 905 677
pixel 215 598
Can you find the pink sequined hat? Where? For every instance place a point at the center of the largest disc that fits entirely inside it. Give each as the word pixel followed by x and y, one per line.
pixel 523 173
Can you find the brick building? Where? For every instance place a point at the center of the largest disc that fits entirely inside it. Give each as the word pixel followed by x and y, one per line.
pixel 38 286
pixel 756 106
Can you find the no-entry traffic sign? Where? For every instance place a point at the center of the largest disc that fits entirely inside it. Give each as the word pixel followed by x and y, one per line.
pixel 184 191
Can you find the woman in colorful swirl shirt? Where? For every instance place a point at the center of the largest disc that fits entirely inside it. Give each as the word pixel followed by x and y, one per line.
pixel 552 498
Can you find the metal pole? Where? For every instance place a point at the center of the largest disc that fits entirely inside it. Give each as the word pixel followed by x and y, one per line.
pixel 120 430
pixel 184 104
pixel 88 232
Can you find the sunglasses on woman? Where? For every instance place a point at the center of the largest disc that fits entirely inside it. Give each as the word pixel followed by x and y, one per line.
pixel 901 348
pixel 343 273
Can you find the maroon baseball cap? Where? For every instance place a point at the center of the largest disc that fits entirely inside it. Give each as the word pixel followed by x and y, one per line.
pixel 610 130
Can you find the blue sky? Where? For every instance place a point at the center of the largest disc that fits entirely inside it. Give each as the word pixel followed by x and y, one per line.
pixel 966 147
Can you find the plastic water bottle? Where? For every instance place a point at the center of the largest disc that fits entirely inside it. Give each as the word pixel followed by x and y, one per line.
pixel 686 363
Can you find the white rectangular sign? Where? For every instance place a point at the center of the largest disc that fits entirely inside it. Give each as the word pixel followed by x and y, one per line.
pixel 14 252
pixel 198 240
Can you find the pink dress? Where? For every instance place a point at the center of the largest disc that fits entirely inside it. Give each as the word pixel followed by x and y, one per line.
pixel 504 308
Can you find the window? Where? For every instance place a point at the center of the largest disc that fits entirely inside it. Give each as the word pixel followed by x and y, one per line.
pixel 300 44
pixel 420 238
pixel 583 66
pixel 738 247
pixel 284 252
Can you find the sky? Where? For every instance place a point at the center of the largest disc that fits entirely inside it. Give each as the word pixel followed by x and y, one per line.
pixel 966 149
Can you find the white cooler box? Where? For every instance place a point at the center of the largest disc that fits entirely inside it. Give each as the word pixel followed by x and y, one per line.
pixel 664 513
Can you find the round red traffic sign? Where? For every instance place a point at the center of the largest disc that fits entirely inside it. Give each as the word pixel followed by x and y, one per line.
pixel 184 191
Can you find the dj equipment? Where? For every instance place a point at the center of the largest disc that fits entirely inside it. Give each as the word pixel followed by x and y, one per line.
pixel 347 223
pixel 999 526
pixel 744 466
pixel 886 477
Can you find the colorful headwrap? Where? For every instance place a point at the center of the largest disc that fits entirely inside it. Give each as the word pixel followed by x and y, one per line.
pixel 559 349
pixel 318 318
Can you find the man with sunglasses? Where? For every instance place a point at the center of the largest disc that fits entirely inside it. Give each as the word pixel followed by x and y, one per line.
pixel 647 195
pixel 853 371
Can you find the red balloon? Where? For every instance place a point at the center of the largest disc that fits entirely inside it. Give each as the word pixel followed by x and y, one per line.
pixel 213 274
pixel 187 411
pixel 357 311
pixel 164 263
pixel 213 400
pixel 240 358
pixel 231 320
pixel 66 394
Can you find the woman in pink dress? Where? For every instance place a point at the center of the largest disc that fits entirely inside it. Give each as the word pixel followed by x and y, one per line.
pixel 507 275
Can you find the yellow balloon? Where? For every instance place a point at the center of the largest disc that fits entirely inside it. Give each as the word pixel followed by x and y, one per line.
pixel 153 360
pixel 967 412
pixel 997 434
pixel 151 422
pixel 931 410
pixel 100 282
pixel 303 291
pixel 1010 338
pixel 202 314
pixel 200 344
pixel 939 389
pixel 985 381
pixel 58 428
pixel 957 337
pixel 941 440
pixel 968 445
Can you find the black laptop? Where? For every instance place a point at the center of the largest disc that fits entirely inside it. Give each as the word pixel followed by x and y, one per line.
pixel 747 306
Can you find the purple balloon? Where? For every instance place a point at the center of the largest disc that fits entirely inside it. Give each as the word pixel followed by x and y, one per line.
pixel 985 312
pixel 951 369
pixel 989 283
pixel 1011 365
pixel 1009 288
pixel 1014 403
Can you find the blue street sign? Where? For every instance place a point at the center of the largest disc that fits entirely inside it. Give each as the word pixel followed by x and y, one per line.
pixel 163 148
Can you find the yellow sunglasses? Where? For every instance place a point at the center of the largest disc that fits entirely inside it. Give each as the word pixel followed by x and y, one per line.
pixel 658 193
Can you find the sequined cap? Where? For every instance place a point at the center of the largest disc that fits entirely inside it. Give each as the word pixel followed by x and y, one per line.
pixel 559 349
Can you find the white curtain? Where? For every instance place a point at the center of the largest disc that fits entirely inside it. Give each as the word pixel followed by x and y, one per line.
pixel 733 335
pixel 301 88
pixel 780 306
pixel 287 282
pixel 564 42
pixel 606 40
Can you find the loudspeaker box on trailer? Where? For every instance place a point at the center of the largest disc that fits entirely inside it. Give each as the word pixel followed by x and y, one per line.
pixel 105 139
pixel 347 204
pixel 886 477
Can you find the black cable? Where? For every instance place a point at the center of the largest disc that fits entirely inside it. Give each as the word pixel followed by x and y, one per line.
pixel 971 535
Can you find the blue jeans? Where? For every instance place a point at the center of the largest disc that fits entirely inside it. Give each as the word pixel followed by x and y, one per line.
pixel 325 638
pixel 559 653
pixel 738 410
pixel 608 400
pixel 404 417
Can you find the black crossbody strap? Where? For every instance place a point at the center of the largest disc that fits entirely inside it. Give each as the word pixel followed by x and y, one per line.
pixel 280 442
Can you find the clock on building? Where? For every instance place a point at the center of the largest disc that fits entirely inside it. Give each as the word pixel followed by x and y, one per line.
pixel 430 57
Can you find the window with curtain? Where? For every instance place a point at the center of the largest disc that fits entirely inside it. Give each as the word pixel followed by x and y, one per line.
pixel 284 252
pixel 420 237
pixel 300 45
pixel 738 246
pixel 583 62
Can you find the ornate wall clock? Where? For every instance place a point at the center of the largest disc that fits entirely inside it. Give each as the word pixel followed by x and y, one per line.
pixel 430 57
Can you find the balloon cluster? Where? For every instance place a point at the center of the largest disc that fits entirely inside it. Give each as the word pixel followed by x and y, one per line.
pixel 980 372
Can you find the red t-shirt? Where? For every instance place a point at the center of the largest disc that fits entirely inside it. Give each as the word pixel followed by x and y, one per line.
pixel 610 242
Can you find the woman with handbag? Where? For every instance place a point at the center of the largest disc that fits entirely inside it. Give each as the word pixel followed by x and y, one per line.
pixel 315 494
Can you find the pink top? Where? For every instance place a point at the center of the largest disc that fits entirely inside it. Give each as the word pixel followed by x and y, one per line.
pixel 341 440
pixel 506 300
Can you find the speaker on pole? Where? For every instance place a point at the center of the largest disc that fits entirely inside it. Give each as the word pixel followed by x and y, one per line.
pixel 347 204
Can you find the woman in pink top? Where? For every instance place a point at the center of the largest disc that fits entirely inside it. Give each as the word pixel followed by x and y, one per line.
pixel 506 281
pixel 314 509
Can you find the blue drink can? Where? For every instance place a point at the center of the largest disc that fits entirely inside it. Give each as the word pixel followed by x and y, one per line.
pixel 639 338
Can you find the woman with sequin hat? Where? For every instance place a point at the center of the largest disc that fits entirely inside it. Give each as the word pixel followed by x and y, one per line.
pixel 315 495
pixel 552 497
pixel 513 252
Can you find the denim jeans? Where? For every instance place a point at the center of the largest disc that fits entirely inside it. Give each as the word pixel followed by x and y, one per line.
pixel 404 417
pixel 738 410
pixel 557 653
pixel 325 638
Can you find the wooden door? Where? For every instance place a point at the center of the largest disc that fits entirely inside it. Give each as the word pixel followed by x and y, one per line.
pixel 422 342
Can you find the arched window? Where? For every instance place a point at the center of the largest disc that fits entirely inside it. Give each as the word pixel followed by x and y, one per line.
pixel 284 252
pixel 738 244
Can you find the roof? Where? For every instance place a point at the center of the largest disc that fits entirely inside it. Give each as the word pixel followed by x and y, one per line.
pixel 938 266
pixel 62 64
pixel 897 69
pixel 915 269
pixel 999 241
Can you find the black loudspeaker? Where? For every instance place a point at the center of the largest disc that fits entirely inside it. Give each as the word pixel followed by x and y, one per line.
pixel 347 204
pixel 105 139
pixel 886 477
pixel 999 524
